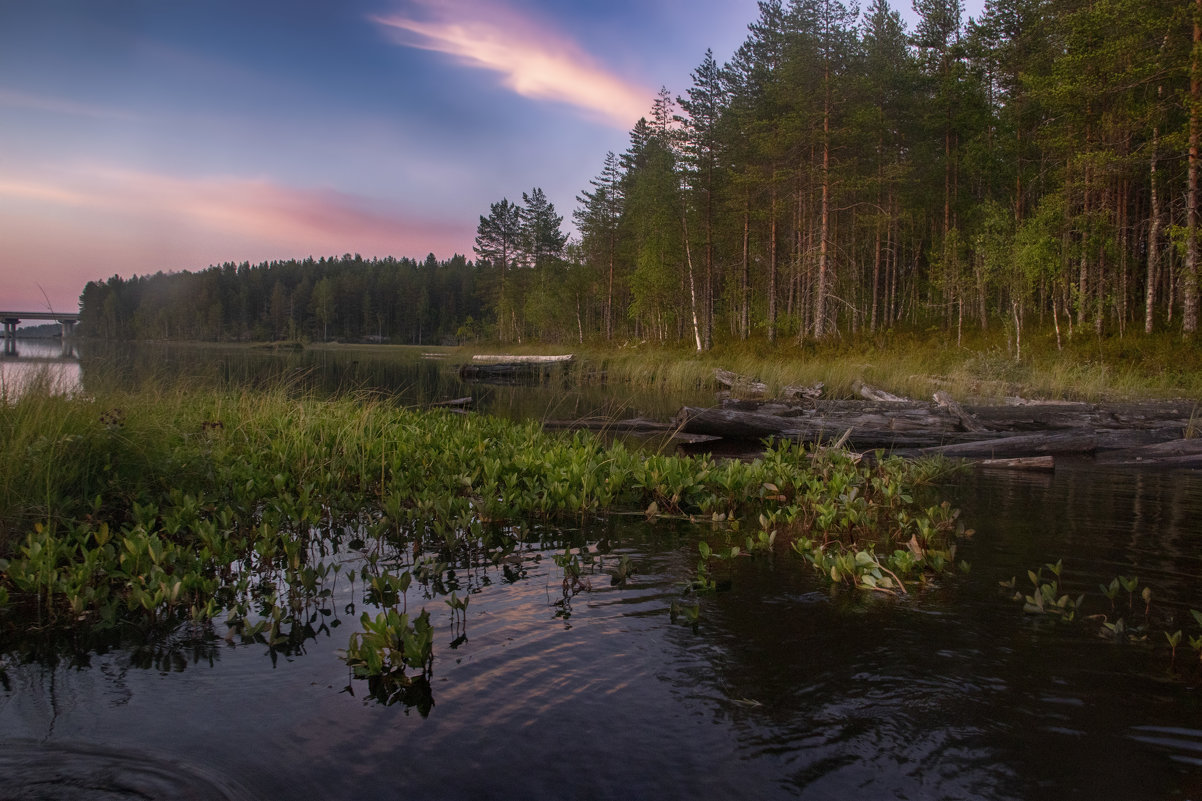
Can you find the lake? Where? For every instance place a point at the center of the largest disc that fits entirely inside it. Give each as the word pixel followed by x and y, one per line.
pixel 782 688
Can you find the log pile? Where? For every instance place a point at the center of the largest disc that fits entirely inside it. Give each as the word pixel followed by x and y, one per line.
pixel 1015 435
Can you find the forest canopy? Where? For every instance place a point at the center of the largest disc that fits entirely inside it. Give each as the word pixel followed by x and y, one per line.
pixel 839 174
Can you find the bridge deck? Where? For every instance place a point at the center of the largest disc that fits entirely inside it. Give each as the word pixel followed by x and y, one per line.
pixel 39 315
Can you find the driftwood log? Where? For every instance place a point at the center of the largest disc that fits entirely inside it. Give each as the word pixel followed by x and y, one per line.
pixel 1016 436
pixel 500 358
pixel 740 384
pixel 454 403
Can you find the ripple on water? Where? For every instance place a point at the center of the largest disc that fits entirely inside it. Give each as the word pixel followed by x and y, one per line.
pixel 86 772
pixel 1182 745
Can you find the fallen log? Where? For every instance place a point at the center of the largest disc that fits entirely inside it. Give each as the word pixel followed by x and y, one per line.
pixel 506 371
pixel 454 402
pixel 797 392
pixel 1175 453
pixel 913 428
pixel 874 394
pixel 735 419
pixel 867 432
pixel 1022 463
pixel 740 383
pixel 500 358
pixel 636 425
pixel 1050 416
pixel 1079 442
pixel 967 421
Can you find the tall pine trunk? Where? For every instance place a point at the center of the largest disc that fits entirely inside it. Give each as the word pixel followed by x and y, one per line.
pixel 1189 283
pixel 1153 240
pixel 824 224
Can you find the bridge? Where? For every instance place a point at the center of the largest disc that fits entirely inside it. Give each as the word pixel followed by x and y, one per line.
pixel 12 318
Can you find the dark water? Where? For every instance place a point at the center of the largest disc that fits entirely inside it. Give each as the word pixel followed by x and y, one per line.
pixel 408 375
pixel 782 690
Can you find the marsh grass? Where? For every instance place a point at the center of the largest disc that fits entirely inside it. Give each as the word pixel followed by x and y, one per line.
pixel 916 364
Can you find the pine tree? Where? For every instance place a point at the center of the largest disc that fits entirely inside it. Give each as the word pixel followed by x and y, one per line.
pixel 597 218
pixel 699 135
pixel 541 237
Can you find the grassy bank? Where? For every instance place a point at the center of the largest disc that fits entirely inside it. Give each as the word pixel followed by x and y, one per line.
pixel 916 364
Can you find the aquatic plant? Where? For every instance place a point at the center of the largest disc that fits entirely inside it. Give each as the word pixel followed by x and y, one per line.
pixel 242 512
pixel 390 645
pixel 1046 600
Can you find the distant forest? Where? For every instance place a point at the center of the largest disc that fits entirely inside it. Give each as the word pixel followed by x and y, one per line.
pixel 345 298
pixel 839 175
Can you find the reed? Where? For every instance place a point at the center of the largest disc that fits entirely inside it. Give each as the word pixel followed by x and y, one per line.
pixel 916 364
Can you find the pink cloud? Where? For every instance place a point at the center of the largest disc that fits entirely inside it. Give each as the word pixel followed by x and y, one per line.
pixel 534 59
pixel 69 227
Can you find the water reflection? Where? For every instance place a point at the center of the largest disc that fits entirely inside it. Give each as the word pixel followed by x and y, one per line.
pixel 783 689
pixel 46 363
pixel 410 376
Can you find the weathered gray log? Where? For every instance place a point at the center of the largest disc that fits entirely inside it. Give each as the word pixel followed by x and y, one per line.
pixel 638 425
pixel 506 371
pixel 748 420
pixel 868 432
pixel 1051 416
pixel 740 383
pixel 912 428
pixel 967 421
pixel 798 392
pixel 1077 442
pixel 1029 418
pixel 874 394
pixel 1175 453
pixel 501 358
pixel 1022 463
pixel 454 402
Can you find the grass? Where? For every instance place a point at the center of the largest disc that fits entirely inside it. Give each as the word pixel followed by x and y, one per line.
pixel 916 364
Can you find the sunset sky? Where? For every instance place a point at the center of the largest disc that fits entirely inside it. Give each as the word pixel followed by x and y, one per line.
pixel 146 135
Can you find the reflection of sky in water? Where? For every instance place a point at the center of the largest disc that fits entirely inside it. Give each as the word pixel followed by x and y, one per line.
pixel 784 689
pixel 48 362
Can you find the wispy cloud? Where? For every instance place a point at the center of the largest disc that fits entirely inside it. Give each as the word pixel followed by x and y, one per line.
pixel 128 221
pixel 534 59
pixel 60 105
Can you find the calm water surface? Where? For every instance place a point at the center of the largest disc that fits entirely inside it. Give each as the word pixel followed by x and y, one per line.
pixel 782 689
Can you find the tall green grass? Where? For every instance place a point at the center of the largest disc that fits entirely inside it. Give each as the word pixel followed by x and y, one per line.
pixel 984 366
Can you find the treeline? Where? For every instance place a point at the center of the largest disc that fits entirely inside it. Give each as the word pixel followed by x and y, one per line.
pixel 840 174
pixel 346 298
pixel 843 174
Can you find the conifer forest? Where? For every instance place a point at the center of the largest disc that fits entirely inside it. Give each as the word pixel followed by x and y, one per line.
pixel 842 174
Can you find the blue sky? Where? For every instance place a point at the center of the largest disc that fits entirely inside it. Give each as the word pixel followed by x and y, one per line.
pixel 146 135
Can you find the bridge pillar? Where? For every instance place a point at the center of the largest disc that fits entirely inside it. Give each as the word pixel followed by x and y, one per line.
pixel 10 327
pixel 68 328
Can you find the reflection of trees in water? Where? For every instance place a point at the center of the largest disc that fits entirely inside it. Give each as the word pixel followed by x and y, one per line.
pixel 51 672
pixel 400 374
pixel 827 686
pixel 1102 520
